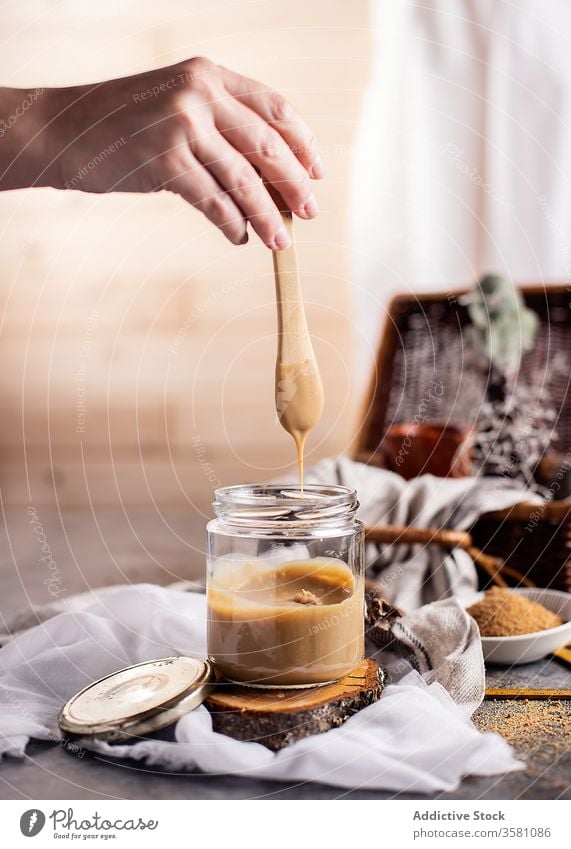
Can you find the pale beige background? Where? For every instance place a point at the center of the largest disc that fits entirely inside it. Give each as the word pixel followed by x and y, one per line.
pixel 136 305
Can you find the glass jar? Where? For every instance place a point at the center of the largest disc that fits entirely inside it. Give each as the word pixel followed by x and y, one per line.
pixel 285 585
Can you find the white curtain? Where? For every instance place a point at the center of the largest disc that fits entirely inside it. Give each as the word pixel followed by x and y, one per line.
pixel 462 160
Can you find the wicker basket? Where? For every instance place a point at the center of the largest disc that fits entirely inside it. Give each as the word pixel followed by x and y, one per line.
pixel 421 344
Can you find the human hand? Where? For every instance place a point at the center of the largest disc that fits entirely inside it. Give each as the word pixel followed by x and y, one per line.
pixel 196 129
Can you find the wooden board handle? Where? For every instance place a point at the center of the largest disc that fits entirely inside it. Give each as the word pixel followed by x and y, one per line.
pixel 493 566
pixel 391 534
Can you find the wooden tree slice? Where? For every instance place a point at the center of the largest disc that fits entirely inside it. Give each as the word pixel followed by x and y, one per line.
pixel 276 718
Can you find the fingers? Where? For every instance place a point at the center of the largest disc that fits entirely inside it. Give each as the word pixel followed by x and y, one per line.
pixel 199 188
pixel 236 127
pixel 266 150
pixel 235 174
pixel 279 114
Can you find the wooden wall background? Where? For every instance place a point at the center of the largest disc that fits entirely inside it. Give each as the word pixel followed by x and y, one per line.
pixel 134 306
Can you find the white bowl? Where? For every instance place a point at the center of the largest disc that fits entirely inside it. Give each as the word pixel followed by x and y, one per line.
pixel 525 648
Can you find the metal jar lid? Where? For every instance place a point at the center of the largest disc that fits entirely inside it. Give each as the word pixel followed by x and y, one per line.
pixel 138 699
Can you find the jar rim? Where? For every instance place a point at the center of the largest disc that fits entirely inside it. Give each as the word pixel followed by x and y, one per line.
pixel 271 494
pixel 284 504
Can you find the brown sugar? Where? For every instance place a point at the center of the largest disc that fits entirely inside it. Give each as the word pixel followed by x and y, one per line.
pixel 539 731
pixel 502 613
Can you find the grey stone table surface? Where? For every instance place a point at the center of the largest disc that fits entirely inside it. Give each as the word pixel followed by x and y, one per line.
pixel 49 772
pixel 109 547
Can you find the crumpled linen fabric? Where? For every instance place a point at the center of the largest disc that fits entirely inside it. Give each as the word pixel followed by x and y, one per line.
pixel 414 575
pixel 417 738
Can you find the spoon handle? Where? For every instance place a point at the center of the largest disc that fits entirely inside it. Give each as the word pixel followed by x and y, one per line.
pixel 294 342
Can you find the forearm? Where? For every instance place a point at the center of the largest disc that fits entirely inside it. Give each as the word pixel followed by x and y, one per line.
pixel 24 157
pixel 194 128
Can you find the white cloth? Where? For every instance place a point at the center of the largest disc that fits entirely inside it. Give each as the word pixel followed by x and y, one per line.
pixel 462 162
pixel 416 738
pixel 413 575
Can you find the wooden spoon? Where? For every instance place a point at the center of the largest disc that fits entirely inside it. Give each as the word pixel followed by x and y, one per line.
pixel 299 390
